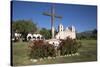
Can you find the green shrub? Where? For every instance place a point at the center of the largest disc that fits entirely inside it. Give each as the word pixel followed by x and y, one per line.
pixel 69 46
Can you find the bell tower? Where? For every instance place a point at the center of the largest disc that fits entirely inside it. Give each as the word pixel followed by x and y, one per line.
pixel 73 28
pixel 60 28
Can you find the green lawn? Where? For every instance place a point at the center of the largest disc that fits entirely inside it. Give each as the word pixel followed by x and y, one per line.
pixel 88 52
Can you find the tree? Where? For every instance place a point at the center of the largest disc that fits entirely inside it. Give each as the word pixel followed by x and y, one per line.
pixel 24 26
pixel 46 33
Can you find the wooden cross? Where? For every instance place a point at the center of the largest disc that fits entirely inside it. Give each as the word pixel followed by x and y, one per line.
pixel 53 16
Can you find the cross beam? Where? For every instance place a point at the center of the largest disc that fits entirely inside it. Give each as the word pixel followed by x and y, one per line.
pixel 48 14
pixel 53 16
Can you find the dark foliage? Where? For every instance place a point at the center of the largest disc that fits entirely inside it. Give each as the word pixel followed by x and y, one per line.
pixel 24 27
pixel 69 46
pixel 40 49
pixel 46 33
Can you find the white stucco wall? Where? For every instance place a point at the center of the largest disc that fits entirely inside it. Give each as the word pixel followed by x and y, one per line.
pixel 34 35
pixel 66 33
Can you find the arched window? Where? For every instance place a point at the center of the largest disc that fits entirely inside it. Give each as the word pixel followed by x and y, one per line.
pixel 38 37
pixel 34 37
pixel 29 38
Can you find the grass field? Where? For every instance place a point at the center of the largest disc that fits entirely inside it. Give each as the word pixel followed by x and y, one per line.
pixel 88 52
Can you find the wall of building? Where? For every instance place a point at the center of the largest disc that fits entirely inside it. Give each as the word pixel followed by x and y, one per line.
pixel 68 32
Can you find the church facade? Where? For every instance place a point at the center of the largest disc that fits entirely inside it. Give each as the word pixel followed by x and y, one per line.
pixel 67 32
pixel 62 34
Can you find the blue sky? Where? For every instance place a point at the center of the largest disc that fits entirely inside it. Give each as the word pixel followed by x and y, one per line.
pixel 83 17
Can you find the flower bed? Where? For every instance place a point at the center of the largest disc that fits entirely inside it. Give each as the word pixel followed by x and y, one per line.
pixel 41 49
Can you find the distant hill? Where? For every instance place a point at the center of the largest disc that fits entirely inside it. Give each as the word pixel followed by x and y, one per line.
pixel 90 34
